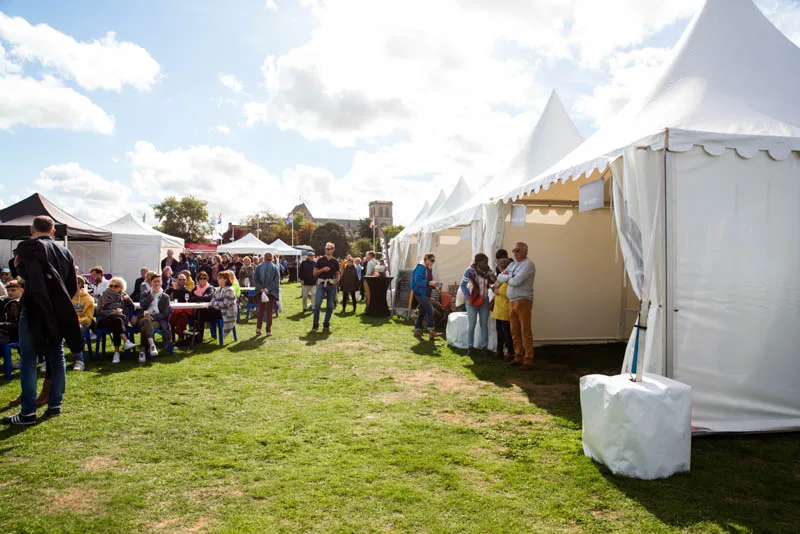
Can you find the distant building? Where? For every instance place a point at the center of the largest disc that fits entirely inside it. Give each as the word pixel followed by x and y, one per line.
pixel 350 225
pixel 381 211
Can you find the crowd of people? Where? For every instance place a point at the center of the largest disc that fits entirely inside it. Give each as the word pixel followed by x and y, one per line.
pixel 505 292
pixel 45 302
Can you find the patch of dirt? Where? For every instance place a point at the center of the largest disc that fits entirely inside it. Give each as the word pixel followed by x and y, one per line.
pixel 201 525
pixel 418 380
pixel 349 345
pixel 488 418
pixel 75 500
pixel 541 393
pixel 99 463
pixel 166 525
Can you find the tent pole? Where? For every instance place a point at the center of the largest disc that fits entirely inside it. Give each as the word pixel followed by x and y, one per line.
pixel 668 263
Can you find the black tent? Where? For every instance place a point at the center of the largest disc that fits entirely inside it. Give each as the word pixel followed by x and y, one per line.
pixel 16 220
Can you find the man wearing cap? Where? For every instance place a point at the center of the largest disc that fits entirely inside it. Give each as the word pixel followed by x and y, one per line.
pixel 169 261
pixel 308 282
pixel 5 276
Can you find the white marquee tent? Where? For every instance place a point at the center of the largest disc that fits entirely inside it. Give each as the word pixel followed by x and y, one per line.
pixel 282 249
pixel 248 244
pixel 135 245
pixel 705 168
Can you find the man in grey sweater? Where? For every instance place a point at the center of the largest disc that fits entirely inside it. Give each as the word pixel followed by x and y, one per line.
pixel 520 275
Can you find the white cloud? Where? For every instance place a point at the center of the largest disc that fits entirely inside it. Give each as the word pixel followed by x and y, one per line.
pixel 271 5
pixel 785 14
pixel 87 195
pixel 114 160
pixel 220 175
pixel 100 64
pixel 47 104
pixel 221 128
pixel 231 82
pixel 6 65
pixel 631 73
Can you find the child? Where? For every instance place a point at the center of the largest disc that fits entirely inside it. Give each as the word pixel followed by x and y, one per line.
pixel 84 307
pixel 501 316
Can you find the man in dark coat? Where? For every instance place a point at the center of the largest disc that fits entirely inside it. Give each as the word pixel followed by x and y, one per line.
pixel 47 317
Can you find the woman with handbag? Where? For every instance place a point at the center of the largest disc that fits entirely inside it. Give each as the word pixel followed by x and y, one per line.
pixel 475 285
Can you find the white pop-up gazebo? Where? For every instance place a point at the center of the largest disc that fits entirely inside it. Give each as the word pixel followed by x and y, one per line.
pixel 704 173
pixel 135 245
pixel 248 244
pixel 282 249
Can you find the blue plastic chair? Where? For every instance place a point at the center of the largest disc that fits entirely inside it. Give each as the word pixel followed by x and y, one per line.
pixel 8 369
pixel 219 325
pixel 101 340
pixel 170 347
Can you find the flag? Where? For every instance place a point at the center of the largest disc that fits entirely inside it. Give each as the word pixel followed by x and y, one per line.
pixel 219 219
pixel 290 218
pixel 372 223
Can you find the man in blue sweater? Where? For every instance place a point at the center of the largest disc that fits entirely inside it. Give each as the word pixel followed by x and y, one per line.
pixel 422 285
pixel 267 280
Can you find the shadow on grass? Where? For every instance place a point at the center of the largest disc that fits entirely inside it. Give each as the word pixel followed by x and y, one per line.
pixel 375 321
pixel 426 346
pixel 299 316
pixel 248 344
pixel 312 338
pixel 741 482
pixel 553 382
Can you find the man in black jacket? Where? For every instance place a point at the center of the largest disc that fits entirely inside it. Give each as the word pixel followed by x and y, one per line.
pixel 47 317
pixel 308 281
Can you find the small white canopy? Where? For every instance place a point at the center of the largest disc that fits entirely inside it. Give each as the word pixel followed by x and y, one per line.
pixel 282 249
pixel 135 245
pixel 249 244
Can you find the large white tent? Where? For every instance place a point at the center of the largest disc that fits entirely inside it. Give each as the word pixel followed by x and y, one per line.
pixel 280 248
pixel 705 168
pixel 248 244
pixel 135 245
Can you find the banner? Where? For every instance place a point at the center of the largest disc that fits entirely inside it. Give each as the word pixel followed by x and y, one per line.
pixel 384 247
pixel 518 214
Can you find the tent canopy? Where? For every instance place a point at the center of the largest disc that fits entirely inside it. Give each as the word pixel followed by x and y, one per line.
pixel 732 81
pixel 130 226
pixel 16 220
pixel 282 249
pixel 248 244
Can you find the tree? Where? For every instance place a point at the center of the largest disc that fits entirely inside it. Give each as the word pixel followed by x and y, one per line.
pixel 364 230
pixel 187 218
pixel 268 227
pixel 333 232
pixel 359 247
pixel 391 231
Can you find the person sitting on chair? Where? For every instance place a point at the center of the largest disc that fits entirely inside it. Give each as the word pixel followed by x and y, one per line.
pixel 111 314
pixel 222 306
pixel 84 308
pixel 155 314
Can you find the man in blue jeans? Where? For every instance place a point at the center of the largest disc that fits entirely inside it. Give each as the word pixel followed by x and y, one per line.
pixel 422 285
pixel 327 272
pixel 47 317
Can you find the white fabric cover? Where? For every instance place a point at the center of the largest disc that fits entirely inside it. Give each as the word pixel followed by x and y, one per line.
pixel 282 249
pixel 457 326
pixel 87 254
pixel 135 245
pixel 733 81
pixel 248 244
pixel 637 429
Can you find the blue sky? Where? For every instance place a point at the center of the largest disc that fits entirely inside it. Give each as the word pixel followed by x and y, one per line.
pixel 254 104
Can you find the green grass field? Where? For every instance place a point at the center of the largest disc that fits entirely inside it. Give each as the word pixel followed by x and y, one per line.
pixel 363 430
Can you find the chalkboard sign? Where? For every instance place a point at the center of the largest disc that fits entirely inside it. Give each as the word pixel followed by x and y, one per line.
pixel 402 294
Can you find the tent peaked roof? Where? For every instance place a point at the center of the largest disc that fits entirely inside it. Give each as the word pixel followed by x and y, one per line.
pixel 425 208
pixel 248 243
pixel 280 248
pixel 130 225
pixel 15 221
pixel 733 80
pixel 553 137
pixel 460 194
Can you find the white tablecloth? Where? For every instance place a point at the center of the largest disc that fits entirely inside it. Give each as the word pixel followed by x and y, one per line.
pixel 180 305
pixel 457 324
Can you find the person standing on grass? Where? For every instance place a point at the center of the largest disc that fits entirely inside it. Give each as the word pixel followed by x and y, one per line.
pixel 47 317
pixel 308 282
pixel 422 285
pixel 500 313
pixel 478 277
pixel 267 279
pixel 348 283
pixel 327 273
pixel 520 276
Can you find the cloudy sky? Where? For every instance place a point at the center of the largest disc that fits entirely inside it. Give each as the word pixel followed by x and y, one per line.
pixel 108 107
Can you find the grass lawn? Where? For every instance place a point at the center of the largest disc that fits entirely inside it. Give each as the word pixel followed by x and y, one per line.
pixel 366 429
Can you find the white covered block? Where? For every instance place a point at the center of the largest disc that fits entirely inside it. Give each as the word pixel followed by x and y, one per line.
pixel 640 430
pixel 457 324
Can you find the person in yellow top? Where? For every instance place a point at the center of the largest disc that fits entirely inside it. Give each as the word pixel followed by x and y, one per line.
pixel 84 307
pixel 501 315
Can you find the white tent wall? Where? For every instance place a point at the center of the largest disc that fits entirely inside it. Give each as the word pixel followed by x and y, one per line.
pixel 736 287
pixel 87 254
pixel 129 253
pixel 453 256
pixel 580 294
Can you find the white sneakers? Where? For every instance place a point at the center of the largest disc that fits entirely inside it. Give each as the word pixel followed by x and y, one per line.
pixel 153 351
pixel 79 366
pixel 142 358
pixel 128 344
pixel 115 359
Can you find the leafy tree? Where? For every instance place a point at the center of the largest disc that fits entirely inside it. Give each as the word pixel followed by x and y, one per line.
pixel 392 231
pixel 333 232
pixel 364 231
pixel 187 218
pixel 360 247
pixel 268 227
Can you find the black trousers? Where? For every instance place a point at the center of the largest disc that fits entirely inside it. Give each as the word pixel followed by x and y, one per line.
pixel 504 336
pixel 352 296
